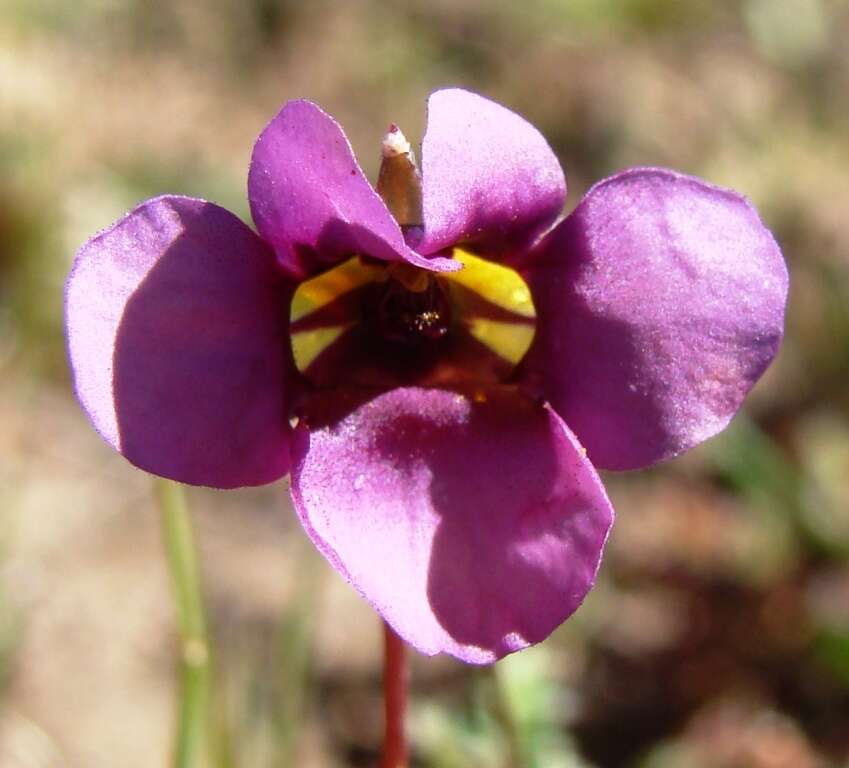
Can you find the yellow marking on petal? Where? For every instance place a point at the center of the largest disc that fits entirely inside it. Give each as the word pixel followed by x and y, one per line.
pixel 509 341
pixel 319 291
pixel 494 282
pixel 308 345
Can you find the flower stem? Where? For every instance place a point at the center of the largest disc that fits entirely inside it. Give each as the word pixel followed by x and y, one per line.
pixel 394 700
pixel 191 749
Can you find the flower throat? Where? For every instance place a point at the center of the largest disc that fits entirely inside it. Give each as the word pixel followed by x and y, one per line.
pixel 412 312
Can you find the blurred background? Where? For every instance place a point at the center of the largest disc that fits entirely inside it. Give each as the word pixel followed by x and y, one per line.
pixel 718 635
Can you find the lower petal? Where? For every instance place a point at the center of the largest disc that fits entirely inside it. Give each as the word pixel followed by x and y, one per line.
pixel 176 322
pixel 474 528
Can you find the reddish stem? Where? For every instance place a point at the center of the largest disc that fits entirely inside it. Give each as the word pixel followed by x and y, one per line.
pixel 394 700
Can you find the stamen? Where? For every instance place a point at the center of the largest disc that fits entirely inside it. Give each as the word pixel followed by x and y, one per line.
pixel 399 182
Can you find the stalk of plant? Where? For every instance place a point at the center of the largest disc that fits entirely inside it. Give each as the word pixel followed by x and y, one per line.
pixel 192 740
pixel 394 753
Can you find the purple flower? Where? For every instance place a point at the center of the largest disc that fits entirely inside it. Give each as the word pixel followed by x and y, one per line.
pixel 441 424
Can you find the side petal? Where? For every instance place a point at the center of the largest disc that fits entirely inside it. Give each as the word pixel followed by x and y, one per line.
pixel 490 180
pixel 473 528
pixel 176 321
pixel 660 302
pixel 310 199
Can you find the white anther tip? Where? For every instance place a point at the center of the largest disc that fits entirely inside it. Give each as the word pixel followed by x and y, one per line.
pixel 395 143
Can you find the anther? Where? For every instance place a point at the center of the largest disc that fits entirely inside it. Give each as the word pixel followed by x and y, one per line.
pixel 399 182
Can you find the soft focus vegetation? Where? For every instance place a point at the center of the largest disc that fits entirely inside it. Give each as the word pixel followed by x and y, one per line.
pixel 718 636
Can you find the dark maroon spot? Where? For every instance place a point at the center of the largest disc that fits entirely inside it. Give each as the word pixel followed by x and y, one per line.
pixel 408 318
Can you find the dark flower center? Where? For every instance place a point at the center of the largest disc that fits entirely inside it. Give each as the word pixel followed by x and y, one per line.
pixel 408 317
pixel 367 324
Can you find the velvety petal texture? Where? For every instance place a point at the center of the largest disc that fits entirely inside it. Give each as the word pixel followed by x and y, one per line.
pixel 177 335
pixel 311 201
pixel 474 528
pixel 490 180
pixel 660 302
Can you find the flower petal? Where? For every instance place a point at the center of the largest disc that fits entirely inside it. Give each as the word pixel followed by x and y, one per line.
pixel 490 180
pixel 660 303
pixel 312 202
pixel 176 322
pixel 474 528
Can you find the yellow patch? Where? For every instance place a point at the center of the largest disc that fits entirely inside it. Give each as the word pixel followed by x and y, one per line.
pixel 494 282
pixel 510 341
pixel 308 345
pixel 317 292
pixel 503 288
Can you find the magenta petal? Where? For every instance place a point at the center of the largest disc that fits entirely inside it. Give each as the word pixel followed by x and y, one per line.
pixel 473 528
pixel 310 199
pixel 176 322
pixel 490 179
pixel 660 302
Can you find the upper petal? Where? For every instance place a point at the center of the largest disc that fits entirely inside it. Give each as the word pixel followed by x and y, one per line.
pixel 489 178
pixel 176 321
pixel 660 302
pixel 310 199
pixel 474 528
